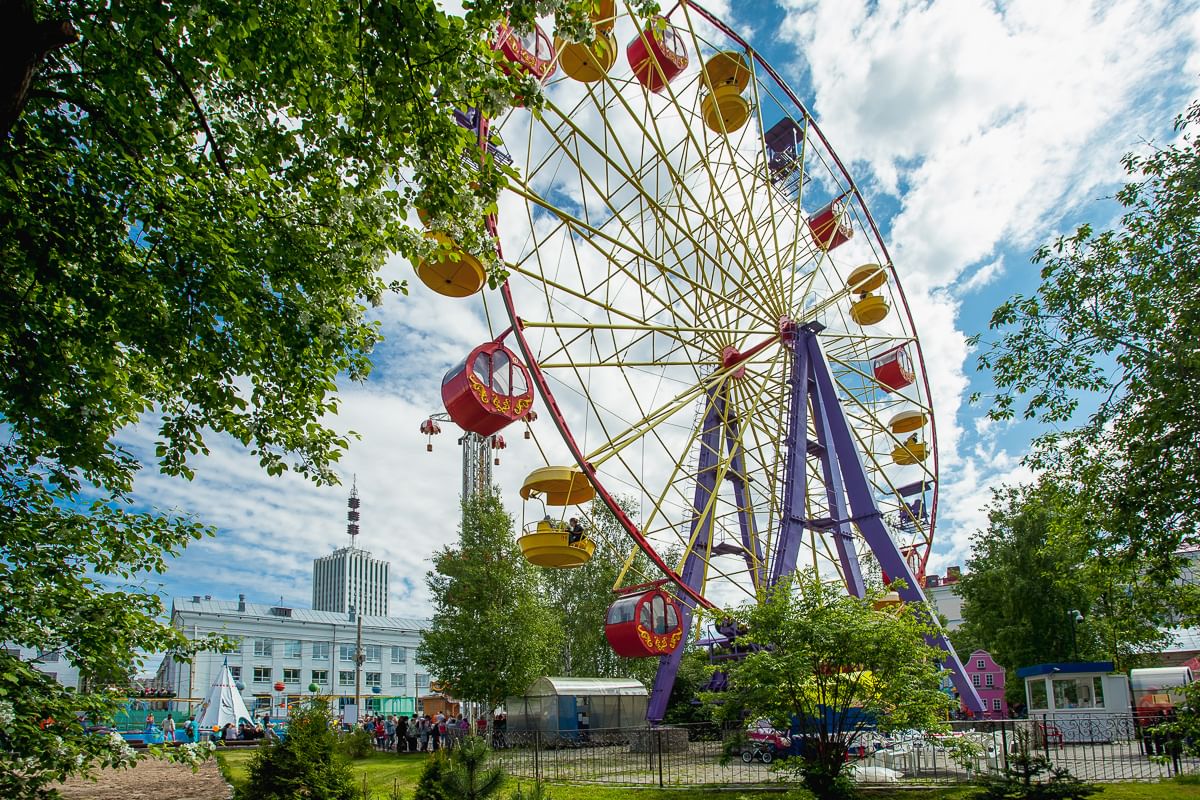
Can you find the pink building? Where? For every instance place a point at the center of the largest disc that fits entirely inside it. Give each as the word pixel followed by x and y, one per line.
pixel 988 678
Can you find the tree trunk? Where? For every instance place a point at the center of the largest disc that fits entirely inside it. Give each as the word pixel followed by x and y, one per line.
pixel 24 43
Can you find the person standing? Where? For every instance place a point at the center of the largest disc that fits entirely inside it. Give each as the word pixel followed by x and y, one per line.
pixel 410 734
pixel 436 729
pixel 389 733
pixel 189 729
pixel 423 733
pixel 169 729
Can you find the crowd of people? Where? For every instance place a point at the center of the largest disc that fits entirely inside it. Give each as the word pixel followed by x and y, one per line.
pixel 428 733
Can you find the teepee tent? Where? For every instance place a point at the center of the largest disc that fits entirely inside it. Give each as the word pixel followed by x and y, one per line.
pixel 223 704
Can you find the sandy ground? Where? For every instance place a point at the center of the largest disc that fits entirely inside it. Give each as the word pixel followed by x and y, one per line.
pixel 151 779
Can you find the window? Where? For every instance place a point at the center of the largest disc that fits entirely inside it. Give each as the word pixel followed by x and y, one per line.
pixel 320 677
pixel 262 647
pixel 233 644
pixel 1075 693
pixel 236 672
pixel 320 651
pixel 399 680
pixel 291 648
pixel 345 677
pixel 975 679
pixel 1037 696
pixel 262 674
pixel 979 664
pixel 291 674
pixel 422 681
pixel 373 652
pixel 399 655
pixel 47 656
pixel 996 704
pixel 988 680
pixel 1098 690
pixel 346 652
pixel 262 702
pixel 374 679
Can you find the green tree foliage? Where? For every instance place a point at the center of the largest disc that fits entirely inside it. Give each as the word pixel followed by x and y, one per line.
pixel 1113 327
pixel 833 665
pixel 304 764
pixel 1035 564
pixel 578 599
pixel 469 776
pixel 195 204
pixel 490 637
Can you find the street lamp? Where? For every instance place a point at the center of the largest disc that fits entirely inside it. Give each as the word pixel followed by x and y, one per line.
pixel 1076 618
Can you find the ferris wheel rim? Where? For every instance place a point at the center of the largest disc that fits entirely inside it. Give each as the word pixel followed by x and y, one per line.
pixel 920 353
pixel 540 379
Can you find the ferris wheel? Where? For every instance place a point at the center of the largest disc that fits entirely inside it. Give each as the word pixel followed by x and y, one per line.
pixel 712 323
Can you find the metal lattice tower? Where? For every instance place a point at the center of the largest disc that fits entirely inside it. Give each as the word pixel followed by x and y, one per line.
pixel 476 465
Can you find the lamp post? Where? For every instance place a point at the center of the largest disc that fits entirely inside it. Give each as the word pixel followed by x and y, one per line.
pixel 1076 618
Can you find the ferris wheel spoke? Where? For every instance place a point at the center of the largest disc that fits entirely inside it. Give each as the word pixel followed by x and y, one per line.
pixel 652 136
pixel 578 226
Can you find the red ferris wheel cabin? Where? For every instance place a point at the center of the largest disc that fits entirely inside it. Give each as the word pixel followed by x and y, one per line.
pixel 644 624
pixel 487 390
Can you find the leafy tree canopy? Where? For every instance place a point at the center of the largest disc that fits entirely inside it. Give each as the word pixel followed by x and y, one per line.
pixel 834 666
pixel 490 637
pixel 1115 323
pixel 1035 565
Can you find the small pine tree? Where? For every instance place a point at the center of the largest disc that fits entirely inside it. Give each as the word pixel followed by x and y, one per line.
pixel 469 777
pixel 305 764
pixel 430 784
pixel 1029 775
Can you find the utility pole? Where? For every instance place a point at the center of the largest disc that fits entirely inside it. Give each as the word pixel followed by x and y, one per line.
pixel 359 658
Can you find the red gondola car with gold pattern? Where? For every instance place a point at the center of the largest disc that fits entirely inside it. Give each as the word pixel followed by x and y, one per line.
pixel 531 53
pixel 645 623
pixel 657 55
pixel 488 390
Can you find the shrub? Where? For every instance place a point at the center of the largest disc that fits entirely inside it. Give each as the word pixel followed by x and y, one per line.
pixel 305 764
pixel 356 743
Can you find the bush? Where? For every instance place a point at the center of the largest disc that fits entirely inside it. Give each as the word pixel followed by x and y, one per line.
pixel 356 743
pixel 305 764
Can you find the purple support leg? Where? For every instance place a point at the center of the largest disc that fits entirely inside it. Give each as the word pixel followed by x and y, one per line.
pixel 867 516
pixel 700 535
pixel 795 482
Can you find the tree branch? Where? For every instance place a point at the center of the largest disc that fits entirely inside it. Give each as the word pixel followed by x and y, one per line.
pixel 218 154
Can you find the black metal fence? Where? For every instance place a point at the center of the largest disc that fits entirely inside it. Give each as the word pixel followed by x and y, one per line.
pixel 1093 747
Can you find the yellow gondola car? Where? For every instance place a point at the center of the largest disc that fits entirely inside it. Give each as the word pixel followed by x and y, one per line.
pixel 547 543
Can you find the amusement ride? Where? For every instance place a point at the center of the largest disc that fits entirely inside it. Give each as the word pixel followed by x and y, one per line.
pixel 701 305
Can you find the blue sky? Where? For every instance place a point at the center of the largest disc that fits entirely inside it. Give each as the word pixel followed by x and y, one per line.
pixel 977 130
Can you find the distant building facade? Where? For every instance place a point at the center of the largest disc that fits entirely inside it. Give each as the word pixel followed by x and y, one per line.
pixel 297 648
pixel 939 590
pixel 51 663
pixel 988 679
pixel 350 578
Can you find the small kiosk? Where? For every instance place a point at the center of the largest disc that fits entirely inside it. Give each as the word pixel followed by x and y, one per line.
pixel 1077 702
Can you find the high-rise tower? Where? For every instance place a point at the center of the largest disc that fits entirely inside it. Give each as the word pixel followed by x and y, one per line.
pixel 350 577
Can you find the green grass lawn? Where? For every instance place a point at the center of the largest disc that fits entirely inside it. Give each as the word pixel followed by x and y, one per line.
pixel 385 772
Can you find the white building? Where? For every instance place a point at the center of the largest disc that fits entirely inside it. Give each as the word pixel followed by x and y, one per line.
pixel 940 592
pixel 350 578
pixel 297 648
pixel 51 663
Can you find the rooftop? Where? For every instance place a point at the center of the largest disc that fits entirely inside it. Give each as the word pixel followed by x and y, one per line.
pixel 191 605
